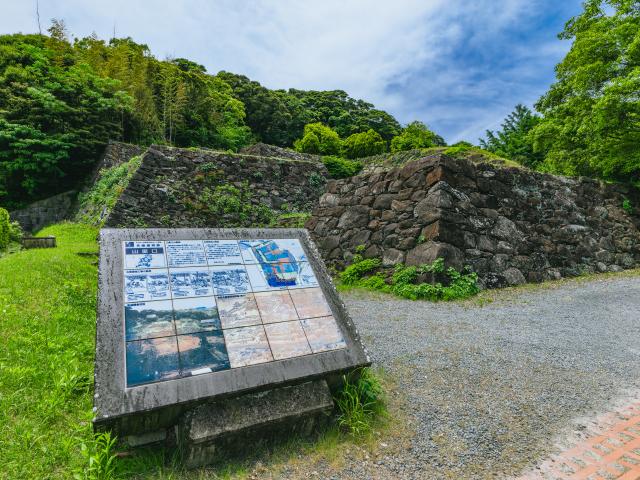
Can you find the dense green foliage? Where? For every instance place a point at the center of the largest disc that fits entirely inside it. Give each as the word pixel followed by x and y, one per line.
pixel 360 401
pixel 459 285
pixel 5 228
pixel 341 167
pixel 591 114
pixel 513 140
pixel 358 269
pixel 344 114
pixel 56 113
pixel 319 139
pixel 95 204
pixel 278 117
pixel 61 100
pixel 363 144
pixel 413 136
pixel 404 282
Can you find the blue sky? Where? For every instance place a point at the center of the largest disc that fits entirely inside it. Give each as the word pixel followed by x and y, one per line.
pixel 458 65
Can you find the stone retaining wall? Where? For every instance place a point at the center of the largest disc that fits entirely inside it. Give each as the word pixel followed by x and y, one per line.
pixel 265 150
pixel 509 225
pixel 44 212
pixel 167 190
pixel 115 153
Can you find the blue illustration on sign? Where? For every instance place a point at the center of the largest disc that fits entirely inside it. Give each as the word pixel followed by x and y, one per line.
pixel 306 277
pixel 247 252
pixel 145 285
pixel 144 255
pixel 190 282
pixel 230 280
pixel 279 266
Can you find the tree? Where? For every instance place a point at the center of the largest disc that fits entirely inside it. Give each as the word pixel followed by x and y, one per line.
pixel 415 135
pixel 344 114
pixel 274 116
pixel 278 117
pixel 591 123
pixel 363 144
pixel 319 139
pixel 56 115
pixel 513 141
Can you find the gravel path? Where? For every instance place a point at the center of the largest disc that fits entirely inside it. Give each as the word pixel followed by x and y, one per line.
pixel 489 388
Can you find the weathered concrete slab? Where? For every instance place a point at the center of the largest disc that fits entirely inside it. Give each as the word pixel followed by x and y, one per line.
pixel 230 423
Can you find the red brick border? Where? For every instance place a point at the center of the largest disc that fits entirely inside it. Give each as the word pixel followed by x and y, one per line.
pixel 610 451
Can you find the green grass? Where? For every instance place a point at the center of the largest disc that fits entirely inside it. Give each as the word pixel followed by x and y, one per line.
pixel 47 332
pixel 47 328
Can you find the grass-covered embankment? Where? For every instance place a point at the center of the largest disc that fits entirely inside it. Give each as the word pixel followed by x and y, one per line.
pixel 47 332
pixel 47 328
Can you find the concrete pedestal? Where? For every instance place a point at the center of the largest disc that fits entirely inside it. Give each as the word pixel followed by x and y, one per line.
pixel 234 424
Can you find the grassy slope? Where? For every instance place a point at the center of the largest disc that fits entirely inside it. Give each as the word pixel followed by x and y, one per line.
pixel 47 329
pixel 97 203
pixel 47 332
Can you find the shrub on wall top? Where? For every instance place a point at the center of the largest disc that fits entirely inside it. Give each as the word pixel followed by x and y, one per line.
pixel 341 167
pixel 319 139
pixel 364 144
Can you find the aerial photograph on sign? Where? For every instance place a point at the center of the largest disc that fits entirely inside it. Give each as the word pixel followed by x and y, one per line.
pixel 196 314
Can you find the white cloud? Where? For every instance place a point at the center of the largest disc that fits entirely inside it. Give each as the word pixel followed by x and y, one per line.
pixel 384 52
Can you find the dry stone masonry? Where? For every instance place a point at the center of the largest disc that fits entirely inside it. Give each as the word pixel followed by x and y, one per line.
pixel 509 225
pixel 177 187
pixel 45 212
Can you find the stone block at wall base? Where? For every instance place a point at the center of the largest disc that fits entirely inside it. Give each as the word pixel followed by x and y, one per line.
pixel 428 252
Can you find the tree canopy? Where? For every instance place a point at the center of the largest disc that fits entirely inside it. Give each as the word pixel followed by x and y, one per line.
pixel 320 140
pixel 591 114
pixel 415 135
pixel 363 144
pixel 513 140
pixel 278 117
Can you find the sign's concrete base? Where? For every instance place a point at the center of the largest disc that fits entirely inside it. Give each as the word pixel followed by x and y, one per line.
pixel 230 425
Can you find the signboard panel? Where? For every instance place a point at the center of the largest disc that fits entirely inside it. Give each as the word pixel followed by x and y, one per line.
pixel 196 313
pixel 271 277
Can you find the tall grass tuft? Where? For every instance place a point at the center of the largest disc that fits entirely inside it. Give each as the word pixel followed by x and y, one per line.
pixel 360 402
pixel 101 461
